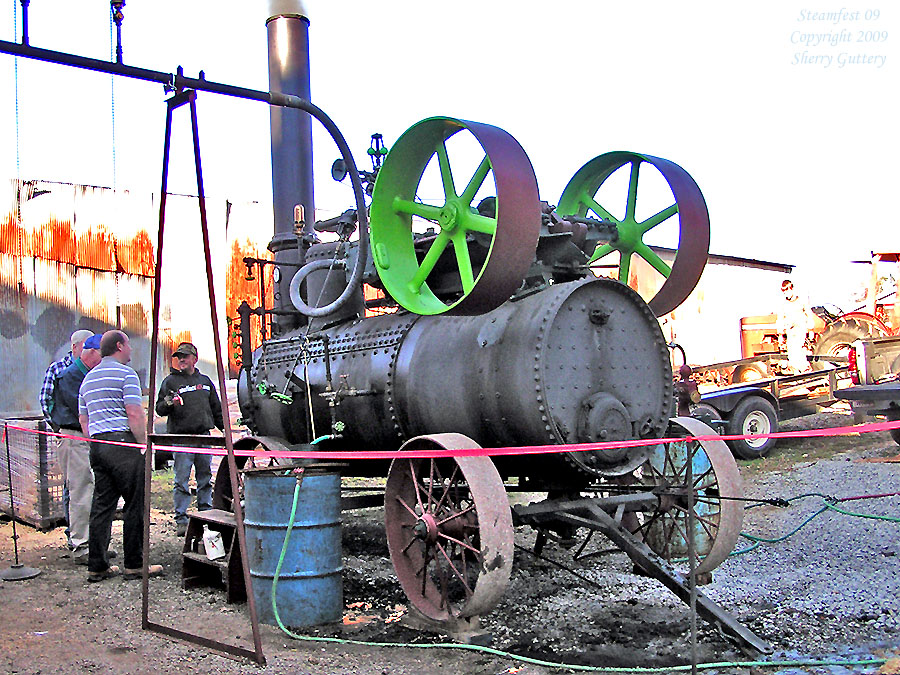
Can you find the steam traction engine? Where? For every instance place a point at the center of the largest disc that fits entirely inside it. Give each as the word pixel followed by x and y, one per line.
pixel 501 336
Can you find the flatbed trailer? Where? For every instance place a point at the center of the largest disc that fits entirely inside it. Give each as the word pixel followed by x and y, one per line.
pixel 745 369
pixel 757 406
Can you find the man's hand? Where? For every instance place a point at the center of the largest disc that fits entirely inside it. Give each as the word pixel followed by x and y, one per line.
pixel 173 398
pixel 137 422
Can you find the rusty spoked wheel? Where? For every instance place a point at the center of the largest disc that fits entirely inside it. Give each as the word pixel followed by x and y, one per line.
pixel 503 235
pixel 449 530
pixel 717 488
pixel 579 198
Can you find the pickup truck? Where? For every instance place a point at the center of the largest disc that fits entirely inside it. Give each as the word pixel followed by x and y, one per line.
pixel 875 372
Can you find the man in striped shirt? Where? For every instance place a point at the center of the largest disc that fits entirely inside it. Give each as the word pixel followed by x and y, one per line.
pixel 110 411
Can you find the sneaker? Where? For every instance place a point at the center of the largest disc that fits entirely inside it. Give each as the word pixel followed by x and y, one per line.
pixel 109 572
pixel 130 574
pixel 180 529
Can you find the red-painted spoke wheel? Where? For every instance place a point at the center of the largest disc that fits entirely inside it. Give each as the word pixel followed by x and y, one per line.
pixel 449 530
pixel 718 510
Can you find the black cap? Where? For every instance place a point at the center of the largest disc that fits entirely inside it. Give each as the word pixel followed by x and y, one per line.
pixel 185 348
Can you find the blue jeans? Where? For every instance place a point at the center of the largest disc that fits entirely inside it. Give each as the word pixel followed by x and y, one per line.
pixel 182 493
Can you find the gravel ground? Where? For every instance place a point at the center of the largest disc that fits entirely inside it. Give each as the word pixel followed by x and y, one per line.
pixel 838 574
pixel 830 590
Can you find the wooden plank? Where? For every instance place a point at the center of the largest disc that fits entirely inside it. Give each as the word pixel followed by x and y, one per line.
pixel 221 563
pixel 217 516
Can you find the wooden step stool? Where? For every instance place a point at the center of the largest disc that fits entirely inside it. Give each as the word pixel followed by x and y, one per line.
pixel 198 570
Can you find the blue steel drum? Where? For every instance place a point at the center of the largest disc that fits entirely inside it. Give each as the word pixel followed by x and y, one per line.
pixel 309 590
pixel 716 522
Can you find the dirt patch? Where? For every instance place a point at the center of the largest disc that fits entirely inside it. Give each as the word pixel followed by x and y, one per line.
pixel 822 592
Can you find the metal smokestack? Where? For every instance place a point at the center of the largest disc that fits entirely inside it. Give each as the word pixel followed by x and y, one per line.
pixel 291 129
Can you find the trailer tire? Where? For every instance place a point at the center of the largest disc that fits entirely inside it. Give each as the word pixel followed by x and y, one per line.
pixel 753 415
pixel 895 434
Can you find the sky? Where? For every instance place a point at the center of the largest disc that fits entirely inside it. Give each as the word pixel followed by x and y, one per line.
pixel 783 112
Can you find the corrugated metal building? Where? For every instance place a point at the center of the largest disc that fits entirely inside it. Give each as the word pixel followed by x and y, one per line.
pixel 73 257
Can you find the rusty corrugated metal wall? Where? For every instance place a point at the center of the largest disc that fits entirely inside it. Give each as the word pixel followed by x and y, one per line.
pixel 248 237
pixel 75 257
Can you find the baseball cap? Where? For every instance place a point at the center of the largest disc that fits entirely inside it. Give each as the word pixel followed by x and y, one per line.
pixel 93 342
pixel 80 336
pixel 185 348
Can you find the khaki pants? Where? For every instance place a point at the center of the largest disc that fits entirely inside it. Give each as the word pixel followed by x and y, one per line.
pixel 75 463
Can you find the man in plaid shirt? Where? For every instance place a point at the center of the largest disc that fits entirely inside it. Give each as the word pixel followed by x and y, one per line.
pixel 56 368
pixel 48 387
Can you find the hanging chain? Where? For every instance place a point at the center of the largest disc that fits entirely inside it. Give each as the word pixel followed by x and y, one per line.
pixel 16 85
pixel 118 301
pixel 114 19
pixel 20 231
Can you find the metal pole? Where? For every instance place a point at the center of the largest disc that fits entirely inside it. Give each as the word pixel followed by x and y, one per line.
pixel 292 154
pixel 12 502
pixel 16 572
pixel 117 17
pixel 171 104
pixel 175 81
pixel 692 564
pixel 25 21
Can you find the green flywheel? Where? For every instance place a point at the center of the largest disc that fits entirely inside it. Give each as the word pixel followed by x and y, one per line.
pixel 485 255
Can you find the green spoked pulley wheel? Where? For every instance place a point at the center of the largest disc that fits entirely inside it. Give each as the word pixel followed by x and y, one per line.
pixel 472 261
pixel 580 198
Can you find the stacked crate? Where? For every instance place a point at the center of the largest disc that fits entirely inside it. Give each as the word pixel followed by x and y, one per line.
pixel 37 483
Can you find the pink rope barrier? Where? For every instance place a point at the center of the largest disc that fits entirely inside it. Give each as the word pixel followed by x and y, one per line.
pixel 489 452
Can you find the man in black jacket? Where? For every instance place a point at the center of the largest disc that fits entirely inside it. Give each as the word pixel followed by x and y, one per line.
pixel 74 449
pixel 189 400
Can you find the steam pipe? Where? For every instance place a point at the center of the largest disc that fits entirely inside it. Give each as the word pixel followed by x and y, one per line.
pixel 174 81
pixel 292 152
